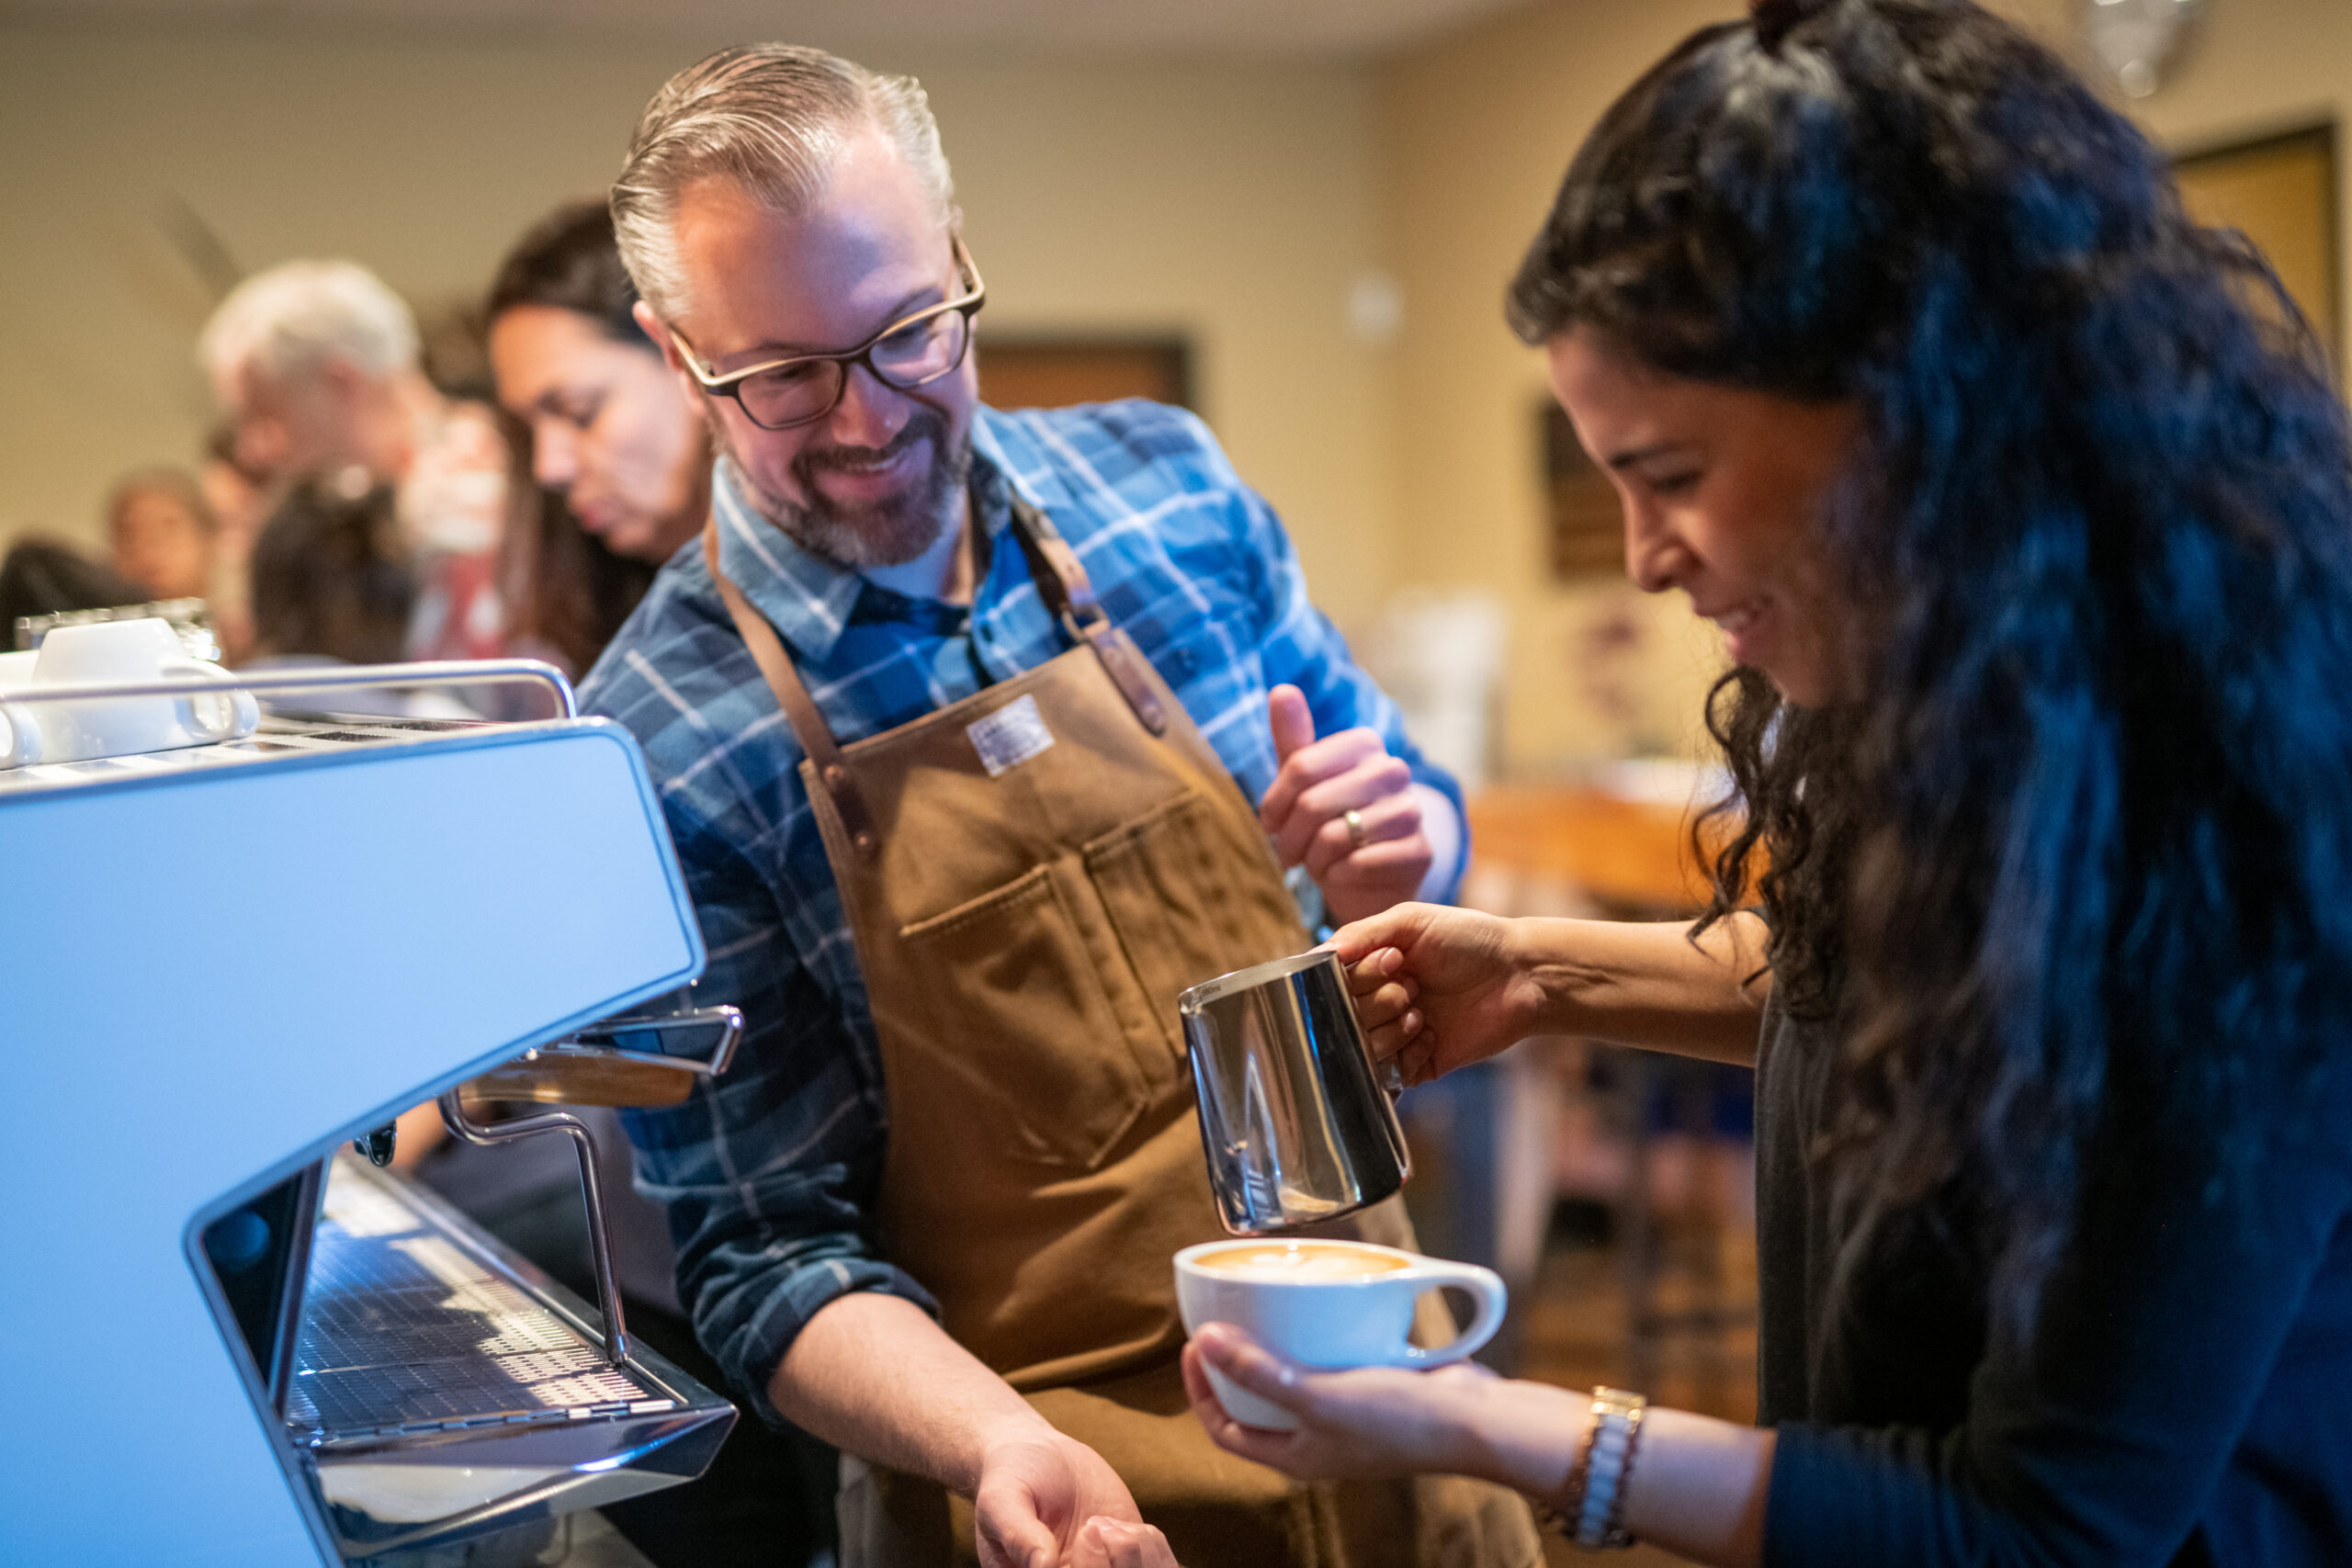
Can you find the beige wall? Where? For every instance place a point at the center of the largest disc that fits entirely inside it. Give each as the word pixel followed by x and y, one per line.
pixel 1476 132
pixel 1232 202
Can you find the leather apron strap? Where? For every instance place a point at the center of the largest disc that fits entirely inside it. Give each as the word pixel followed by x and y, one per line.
pixel 809 726
pixel 1061 582
pixel 1069 593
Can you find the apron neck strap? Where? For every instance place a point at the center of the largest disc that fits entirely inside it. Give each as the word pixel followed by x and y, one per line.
pixel 1061 581
pixel 1069 593
pixel 809 726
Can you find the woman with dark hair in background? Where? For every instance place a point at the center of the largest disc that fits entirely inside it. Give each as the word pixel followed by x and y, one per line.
pixel 621 454
pixel 2026 507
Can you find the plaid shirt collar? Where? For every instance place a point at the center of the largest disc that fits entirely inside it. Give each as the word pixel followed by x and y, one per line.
pixel 811 599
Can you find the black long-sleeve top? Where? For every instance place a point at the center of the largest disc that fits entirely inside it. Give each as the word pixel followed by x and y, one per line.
pixel 2187 1396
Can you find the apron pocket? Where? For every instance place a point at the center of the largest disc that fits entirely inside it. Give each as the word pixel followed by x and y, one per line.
pixel 1019 1014
pixel 1191 899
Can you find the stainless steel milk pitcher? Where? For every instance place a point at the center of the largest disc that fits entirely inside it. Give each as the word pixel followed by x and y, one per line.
pixel 1295 1119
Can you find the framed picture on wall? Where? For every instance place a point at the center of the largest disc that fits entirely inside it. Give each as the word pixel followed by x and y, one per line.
pixel 1055 372
pixel 2280 191
pixel 1585 528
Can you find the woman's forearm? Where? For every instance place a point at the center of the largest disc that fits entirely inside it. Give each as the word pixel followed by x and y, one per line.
pixel 1696 1486
pixel 1693 1484
pixel 1649 985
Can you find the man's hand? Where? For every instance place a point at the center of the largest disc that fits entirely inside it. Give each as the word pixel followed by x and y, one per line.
pixel 1038 1493
pixel 1347 810
pixel 1115 1543
pixel 875 1375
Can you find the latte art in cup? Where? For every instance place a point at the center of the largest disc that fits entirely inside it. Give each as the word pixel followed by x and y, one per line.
pixel 1326 1303
pixel 1304 1261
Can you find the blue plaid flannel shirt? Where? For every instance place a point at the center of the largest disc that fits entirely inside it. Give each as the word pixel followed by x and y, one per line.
pixel 769 1173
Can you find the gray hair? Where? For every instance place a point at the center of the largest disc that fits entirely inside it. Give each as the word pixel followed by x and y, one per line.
pixel 289 321
pixel 774 119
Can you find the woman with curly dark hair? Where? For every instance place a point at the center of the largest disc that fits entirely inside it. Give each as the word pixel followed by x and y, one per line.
pixel 2025 505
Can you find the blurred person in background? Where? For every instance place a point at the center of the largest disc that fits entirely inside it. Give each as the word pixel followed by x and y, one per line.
pixel 315 365
pixel 623 458
pixel 330 578
pixel 161 534
pixel 237 496
pixel 43 577
pixel 239 501
pixel 333 584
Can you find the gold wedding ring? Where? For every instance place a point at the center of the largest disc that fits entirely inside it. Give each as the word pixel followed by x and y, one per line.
pixel 1354 820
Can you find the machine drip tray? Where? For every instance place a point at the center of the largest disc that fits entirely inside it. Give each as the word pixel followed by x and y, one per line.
pixel 444 1388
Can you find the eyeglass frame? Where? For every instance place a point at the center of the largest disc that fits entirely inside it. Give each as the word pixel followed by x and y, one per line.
pixel 730 385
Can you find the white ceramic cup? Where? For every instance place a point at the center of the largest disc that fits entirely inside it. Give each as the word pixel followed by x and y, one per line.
pixel 1317 1311
pixel 122 652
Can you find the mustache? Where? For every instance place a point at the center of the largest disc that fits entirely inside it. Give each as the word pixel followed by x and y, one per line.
pixel 924 423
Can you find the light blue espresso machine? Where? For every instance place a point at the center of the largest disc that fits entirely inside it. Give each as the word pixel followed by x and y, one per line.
pixel 229 1340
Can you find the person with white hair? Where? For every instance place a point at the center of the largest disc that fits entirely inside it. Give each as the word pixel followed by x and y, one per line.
pixel 315 365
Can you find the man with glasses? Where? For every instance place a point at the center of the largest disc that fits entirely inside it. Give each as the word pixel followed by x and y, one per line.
pixel 947 710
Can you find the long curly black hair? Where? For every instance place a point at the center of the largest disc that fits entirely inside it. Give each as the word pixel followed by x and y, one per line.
pixel 2072 867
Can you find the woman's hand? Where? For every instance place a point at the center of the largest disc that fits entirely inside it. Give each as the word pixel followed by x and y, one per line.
pixel 1373 1422
pixel 1698 1490
pixel 1439 988
pixel 1383 1421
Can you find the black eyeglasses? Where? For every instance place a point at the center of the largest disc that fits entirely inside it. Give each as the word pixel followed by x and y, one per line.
pixel 909 353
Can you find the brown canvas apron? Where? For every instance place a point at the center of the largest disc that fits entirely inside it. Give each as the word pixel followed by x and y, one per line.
pixel 1031 875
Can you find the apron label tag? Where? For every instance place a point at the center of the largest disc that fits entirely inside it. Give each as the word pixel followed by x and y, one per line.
pixel 1011 735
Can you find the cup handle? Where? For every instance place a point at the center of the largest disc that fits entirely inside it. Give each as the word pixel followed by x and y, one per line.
pixel 1484 1284
pixel 244 713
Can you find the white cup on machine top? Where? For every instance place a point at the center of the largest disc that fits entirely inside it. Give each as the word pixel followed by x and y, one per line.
pixel 122 653
pixel 1330 1305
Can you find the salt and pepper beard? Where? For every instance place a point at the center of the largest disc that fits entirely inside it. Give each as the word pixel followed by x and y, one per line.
pixel 889 533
